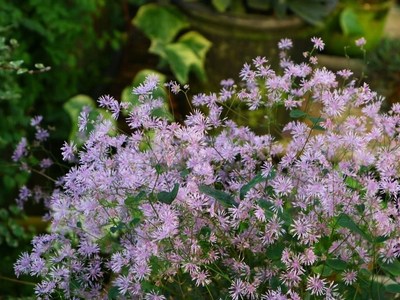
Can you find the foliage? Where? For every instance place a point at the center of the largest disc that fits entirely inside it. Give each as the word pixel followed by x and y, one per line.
pixel 14 233
pixel 183 54
pixel 49 34
pixel 352 20
pixel 208 209
pixel 312 12
pixel 384 69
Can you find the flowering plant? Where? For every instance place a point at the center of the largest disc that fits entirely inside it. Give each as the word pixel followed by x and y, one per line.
pixel 209 210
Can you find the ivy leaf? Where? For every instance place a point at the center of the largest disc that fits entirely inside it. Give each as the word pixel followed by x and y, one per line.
pixel 168 197
pixel 198 43
pixel 182 59
pixel 161 23
pixel 222 197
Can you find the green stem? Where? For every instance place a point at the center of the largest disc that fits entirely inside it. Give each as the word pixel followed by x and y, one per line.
pixel 17 281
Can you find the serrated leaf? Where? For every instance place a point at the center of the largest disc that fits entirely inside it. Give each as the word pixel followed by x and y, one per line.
pixel 297 113
pixel 346 222
pixel 222 197
pixel 161 23
pixel 350 23
pixel 247 187
pixel 168 197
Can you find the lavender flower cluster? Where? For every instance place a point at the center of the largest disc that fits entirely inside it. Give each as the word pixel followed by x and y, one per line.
pixel 210 210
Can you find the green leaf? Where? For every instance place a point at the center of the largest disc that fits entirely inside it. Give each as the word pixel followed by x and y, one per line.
pixel 393 288
pixel 168 197
pixel 161 23
pixel 345 221
pixel 337 264
pixel 297 113
pixel 222 197
pixel 260 5
pixel 381 239
pixel 393 268
pixel 113 293
pixel 274 252
pixel 349 23
pixel 353 184
pixel 22 71
pixel 312 11
pixel 117 227
pixel 247 187
pixel 135 200
pixel 182 59
pixel 3 214
pixel 39 66
pixel 323 270
pixel 315 123
pixel 198 43
pixel 221 5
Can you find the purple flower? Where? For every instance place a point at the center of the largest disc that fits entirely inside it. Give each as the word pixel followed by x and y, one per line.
pixel 318 43
pixel 21 150
pixel 147 86
pixel 46 163
pixel 41 134
pixel 316 285
pixel 35 121
pixel 285 44
pixel 360 42
pixel 111 104
pixel 68 151
pixel 24 194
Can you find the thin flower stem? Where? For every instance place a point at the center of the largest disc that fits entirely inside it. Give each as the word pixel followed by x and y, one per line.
pixel 17 281
pixel 43 174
